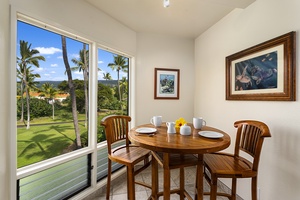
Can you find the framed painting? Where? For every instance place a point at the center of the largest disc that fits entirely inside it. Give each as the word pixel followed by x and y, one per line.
pixel 166 83
pixel 265 72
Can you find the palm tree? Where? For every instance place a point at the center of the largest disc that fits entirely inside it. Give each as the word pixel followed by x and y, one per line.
pixel 120 64
pixel 49 91
pixel 107 76
pixel 72 91
pixel 82 64
pixel 29 85
pixel 20 74
pixel 28 58
pixel 124 87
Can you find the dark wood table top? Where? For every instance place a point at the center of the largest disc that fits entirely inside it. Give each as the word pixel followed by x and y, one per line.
pixel 177 143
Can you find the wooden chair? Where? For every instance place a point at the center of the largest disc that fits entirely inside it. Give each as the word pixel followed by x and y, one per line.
pixel 116 129
pixel 175 161
pixel 249 139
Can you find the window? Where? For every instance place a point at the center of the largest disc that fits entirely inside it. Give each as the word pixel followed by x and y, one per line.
pixel 47 125
pixel 112 85
pixel 56 82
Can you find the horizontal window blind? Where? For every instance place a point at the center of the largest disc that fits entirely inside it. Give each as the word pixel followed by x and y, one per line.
pixel 58 182
pixel 102 162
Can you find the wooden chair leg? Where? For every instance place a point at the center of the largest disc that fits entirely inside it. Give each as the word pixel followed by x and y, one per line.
pixel 130 183
pixel 233 189
pixel 254 188
pixel 213 188
pixel 108 179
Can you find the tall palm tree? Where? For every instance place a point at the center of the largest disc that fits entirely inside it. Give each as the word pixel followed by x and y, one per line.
pixel 30 84
pixel 82 64
pixel 20 74
pixel 72 91
pixel 120 64
pixel 29 57
pixel 49 91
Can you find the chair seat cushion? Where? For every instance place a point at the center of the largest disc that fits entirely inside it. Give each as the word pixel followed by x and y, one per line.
pixel 129 155
pixel 228 166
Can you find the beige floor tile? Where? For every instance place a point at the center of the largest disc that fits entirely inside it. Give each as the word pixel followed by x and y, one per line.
pixel 119 186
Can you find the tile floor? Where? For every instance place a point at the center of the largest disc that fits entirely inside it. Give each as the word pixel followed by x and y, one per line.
pixel 119 187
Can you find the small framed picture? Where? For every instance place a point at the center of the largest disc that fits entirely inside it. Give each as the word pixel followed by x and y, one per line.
pixel 166 83
pixel 265 72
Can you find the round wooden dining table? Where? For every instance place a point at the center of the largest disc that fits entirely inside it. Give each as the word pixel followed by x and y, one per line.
pixel 161 141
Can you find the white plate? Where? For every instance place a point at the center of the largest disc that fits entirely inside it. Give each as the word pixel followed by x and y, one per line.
pixel 145 130
pixel 210 134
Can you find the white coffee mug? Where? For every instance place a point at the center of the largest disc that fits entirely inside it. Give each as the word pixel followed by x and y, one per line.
pixel 156 121
pixel 198 122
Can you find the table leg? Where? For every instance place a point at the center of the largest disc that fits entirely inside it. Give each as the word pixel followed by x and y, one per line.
pixel 199 184
pixel 154 179
pixel 166 168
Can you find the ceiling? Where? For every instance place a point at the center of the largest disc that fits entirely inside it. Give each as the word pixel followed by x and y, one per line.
pixel 183 18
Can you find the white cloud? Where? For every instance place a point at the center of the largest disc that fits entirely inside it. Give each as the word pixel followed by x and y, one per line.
pixel 54 65
pixel 75 55
pixel 39 69
pixel 100 62
pixel 52 72
pixel 48 50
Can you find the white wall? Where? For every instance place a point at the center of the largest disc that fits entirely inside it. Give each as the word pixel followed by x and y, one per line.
pixel 279 175
pixel 158 51
pixel 83 19
pixel 4 102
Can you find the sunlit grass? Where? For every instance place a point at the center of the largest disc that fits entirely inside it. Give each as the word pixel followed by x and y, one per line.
pixel 48 138
pixel 42 142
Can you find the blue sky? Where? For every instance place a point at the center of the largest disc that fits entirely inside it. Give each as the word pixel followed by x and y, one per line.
pixel 49 46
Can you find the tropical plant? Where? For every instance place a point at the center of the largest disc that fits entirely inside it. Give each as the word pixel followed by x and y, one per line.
pixel 82 64
pixel 124 88
pixel 72 91
pixel 38 108
pixel 28 58
pixel 107 76
pixel 49 91
pixel 120 64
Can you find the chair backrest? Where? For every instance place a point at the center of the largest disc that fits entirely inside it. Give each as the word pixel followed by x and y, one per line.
pixel 250 137
pixel 116 129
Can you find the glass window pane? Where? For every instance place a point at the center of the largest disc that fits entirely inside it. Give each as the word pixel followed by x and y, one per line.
pixel 112 86
pixel 52 94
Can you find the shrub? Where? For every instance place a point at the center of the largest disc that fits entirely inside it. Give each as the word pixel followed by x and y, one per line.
pixel 38 108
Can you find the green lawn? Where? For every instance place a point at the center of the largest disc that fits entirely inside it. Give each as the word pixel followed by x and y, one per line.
pixel 48 138
pixel 41 142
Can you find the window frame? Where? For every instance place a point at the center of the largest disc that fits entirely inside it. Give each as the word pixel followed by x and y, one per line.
pixel 93 147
